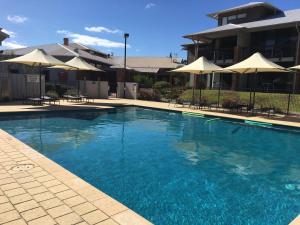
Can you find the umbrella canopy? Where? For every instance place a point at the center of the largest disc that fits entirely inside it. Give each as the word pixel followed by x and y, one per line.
pixel 256 63
pixel 200 66
pixel 37 57
pixel 80 64
pixel 295 68
pixel 77 63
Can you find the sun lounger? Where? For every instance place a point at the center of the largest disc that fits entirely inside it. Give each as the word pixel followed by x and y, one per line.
pixel 34 101
pixel 87 98
pixel 72 98
pixel 50 100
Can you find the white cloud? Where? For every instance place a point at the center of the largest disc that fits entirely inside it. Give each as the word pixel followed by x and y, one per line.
pixel 150 5
pixel 102 30
pixel 91 40
pixel 12 45
pixel 10 33
pixel 17 19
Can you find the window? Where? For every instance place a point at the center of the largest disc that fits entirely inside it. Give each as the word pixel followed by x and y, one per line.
pixel 242 15
pixel 233 17
pixel 224 20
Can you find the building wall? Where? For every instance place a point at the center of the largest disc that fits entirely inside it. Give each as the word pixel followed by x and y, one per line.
pixel 252 14
pixel 278 45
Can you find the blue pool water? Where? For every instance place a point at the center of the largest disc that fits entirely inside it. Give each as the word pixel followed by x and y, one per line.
pixel 174 169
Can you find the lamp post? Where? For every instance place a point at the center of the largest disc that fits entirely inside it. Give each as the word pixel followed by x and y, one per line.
pixel 126 35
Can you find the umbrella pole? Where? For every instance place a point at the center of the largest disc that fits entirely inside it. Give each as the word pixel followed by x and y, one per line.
pixel 254 91
pixel 219 91
pixel 289 97
pixel 78 84
pixel 40 68
pixel 250 90
pixel 200 91
pixel 193 99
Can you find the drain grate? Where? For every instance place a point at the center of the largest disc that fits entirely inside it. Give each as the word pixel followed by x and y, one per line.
pixel 22 167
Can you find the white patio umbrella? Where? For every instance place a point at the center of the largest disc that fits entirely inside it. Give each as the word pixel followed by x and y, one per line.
pixel 39 58
pixel 200 66
pixel 256 63
pixel 77 64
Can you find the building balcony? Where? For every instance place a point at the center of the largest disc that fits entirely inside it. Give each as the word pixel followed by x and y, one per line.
pixel 276 53
pixel 222 56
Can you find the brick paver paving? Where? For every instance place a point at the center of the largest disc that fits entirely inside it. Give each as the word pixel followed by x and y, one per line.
pixel 36 191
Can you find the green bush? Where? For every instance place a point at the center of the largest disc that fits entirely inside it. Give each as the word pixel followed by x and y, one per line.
pixel 143 80
pixel 52 94
pixel 73 92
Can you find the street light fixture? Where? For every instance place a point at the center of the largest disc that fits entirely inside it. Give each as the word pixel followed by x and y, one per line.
pixel 126 35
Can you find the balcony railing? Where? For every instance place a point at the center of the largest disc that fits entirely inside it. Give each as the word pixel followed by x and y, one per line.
pixel 280 52
pixel 222 55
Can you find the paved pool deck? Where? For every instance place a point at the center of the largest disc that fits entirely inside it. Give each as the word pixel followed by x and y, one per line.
pixel 36 191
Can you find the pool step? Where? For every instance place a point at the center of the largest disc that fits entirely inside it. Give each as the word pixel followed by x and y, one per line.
pixel 260 124
pixel 193 114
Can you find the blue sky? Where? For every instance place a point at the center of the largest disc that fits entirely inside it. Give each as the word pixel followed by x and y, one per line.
pixel 156 27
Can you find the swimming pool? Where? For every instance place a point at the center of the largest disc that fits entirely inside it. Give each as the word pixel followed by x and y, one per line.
pixel 174 169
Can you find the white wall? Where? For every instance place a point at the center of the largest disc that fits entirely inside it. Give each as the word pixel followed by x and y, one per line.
pixel 95 89
pixel 131 90
pixel 20 86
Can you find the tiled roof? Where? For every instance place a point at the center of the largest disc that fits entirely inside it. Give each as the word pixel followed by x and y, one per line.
pixel 245 6
pixel 286 17
pixel 149 62
pixel 62 50
pixel 3 35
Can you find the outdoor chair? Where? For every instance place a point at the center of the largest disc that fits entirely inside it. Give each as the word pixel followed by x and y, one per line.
pixel 268 110
pixel 173 101
pixel 87 98
pixel 185 103
pixel 50 100
pixel 72 98
pixel 34 101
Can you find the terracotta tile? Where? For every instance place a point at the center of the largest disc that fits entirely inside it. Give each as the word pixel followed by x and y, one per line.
pixel 107 222
pixel 129 217
pixel 3 199
pixel 51 183
pixel 45 220
pixel 59 211
pixel 33 214
pixel 68 219
pixel 73 201
pixel 66 194
pixel 84 208
pixel 109 206
pixel 20 175
pixel 9 216
pixel 25 180
pixel 20 198
pixel 58 188
pixel 45 178
pixel 94 217
pixel 37 190
pixel 51 203
pixel 4 207
pixel 17 222
pixel 43 196
pixel 31 184
pixel 14 192
pixel 24 206
pixel 10 186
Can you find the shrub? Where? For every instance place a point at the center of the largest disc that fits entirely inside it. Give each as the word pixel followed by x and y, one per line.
pixel 161 90
pixel 143 80
pixel 72 92
pixel 52 94
pixel 145 95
